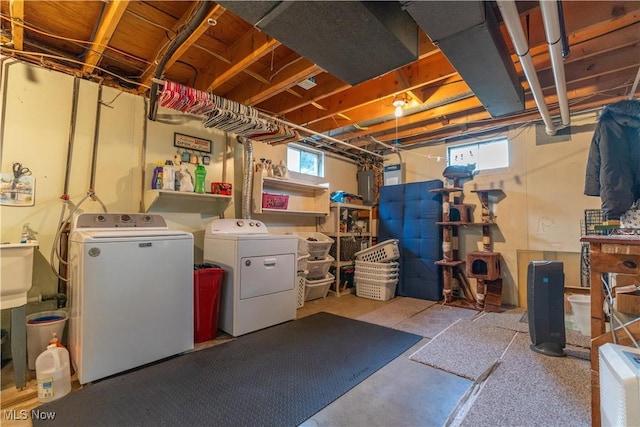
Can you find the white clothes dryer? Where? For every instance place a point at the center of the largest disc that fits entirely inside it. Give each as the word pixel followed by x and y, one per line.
pixel 259 284
pixel 130 292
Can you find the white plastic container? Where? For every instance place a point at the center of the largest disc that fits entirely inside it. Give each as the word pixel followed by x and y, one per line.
pixel 41 328
pixel 168 176
pixel 317 248
pixel 318 269
pixel 53 373
pixel 581 308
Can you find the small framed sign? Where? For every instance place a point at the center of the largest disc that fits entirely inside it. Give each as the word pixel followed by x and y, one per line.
pixel 191 142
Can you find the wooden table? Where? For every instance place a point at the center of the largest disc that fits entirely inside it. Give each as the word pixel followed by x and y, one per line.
pixel 608 254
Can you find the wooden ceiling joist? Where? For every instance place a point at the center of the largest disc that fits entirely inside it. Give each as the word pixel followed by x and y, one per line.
pixel 214 14
pixel 16 8
pixel 106 27
pixel 249 49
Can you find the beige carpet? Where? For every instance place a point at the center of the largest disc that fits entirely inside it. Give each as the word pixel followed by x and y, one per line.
pixel 437 318
pixel 466 349
pixel 396 311
pixel 530 389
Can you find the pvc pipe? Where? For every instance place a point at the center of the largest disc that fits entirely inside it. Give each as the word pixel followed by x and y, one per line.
pixel 511 19
pixel 551 21
pixel 328 138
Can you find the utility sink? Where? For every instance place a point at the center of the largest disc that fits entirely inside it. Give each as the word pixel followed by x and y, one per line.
pixel 16 271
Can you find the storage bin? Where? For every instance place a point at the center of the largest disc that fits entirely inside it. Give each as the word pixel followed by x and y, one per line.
pixel 300 289
pixel 207 285
pixel 318 248
pixel 318 269
pixel 275 201
pixel 385 251
pixel 383 267
pixel 222 188
pixel 349 246
pixel 374 289
pixel 376 275
pixel 303 257
pixel 315 289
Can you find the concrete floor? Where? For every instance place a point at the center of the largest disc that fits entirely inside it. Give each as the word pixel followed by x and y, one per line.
pixel 402 393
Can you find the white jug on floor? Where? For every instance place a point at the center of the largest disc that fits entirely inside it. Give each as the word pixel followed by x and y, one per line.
pixel 53 373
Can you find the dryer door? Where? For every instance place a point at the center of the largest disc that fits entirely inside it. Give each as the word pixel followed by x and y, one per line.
pixel 267 274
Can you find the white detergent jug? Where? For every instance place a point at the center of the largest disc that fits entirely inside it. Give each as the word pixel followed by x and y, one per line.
pixel 53 373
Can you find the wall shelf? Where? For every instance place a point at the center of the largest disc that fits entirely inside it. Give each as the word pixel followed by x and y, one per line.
pixel 332 226
pixel 184 202
pixel 304 198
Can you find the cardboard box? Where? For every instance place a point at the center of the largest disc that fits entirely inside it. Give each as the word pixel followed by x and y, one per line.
pixel 628 303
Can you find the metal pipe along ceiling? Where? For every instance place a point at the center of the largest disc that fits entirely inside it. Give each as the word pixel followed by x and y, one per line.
pixel 514 27
pixel 551 21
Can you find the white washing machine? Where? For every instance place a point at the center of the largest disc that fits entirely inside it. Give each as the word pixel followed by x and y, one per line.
pixel 130 292
pixel 259 285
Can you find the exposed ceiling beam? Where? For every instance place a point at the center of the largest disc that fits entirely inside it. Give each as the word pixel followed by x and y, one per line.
pixel 280 106
pixel 111 17
pixel 326 85
pixel 426 71
pixel 250 48
pixel 214 14
pixel 582 96
pixel 254 92
pixel 16 8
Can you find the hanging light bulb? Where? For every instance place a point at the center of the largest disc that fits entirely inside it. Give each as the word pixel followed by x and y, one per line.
pixel 399 101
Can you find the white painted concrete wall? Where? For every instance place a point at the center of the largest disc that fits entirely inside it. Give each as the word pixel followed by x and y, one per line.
pixel 36 113
pixel 543 186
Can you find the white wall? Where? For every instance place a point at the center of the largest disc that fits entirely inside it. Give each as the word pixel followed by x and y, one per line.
pixel 36 113
pixel 543 186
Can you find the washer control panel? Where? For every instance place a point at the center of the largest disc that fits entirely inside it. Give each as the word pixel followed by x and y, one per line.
pixel 119 220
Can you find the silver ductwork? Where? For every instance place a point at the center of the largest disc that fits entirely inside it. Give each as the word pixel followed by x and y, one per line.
pixel 247 182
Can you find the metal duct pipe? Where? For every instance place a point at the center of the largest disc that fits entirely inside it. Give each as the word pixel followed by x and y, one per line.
pixel 551 21
pixel 247 183
pixel 511 19
pixel 190 27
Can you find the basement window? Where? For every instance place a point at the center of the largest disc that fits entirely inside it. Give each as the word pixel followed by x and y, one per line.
pixel 305 160
pixel 486 155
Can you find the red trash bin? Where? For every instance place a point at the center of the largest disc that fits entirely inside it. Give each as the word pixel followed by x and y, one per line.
pixel 207 285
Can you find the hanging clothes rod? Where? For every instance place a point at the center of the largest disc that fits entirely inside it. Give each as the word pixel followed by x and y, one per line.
pixel 231 116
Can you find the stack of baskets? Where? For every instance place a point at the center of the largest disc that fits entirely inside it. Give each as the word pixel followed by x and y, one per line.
pixel 377 274
pixel 301 275
pixel 317 279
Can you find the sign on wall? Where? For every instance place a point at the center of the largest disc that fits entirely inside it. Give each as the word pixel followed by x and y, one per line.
pixel 17 191
pixel 191 142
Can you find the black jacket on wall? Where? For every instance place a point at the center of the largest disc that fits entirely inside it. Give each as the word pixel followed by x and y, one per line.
pixel 613 167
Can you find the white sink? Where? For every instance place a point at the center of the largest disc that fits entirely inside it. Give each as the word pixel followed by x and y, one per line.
pixel 16 270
